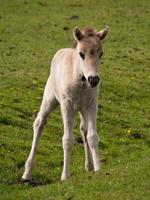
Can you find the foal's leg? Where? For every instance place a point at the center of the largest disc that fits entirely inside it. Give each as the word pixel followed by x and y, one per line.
pixel 67 140
pixel 88 156
pixel 48 104
pixel 92 136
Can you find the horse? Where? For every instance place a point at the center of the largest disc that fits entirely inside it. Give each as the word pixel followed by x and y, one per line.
pixel 73 84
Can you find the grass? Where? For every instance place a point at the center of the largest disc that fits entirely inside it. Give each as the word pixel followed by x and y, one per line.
pixel 30 33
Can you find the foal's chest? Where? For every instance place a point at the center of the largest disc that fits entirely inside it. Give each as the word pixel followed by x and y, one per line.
pixel 82 97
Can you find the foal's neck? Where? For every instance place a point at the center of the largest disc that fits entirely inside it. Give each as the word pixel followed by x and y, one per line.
pixel 77 71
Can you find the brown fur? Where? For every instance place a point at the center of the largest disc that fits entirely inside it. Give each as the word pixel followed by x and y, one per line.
pixel 87 32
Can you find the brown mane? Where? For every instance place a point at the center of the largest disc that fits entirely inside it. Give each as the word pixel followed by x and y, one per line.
pixel 87 32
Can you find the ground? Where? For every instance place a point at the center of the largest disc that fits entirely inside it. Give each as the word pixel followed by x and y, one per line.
pixel 30 33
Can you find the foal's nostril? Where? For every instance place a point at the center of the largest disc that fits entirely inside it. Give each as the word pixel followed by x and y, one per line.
pixel 93 80
pixel 90 78
pixel 96 79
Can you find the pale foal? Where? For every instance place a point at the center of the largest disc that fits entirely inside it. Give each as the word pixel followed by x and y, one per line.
pixel 74 84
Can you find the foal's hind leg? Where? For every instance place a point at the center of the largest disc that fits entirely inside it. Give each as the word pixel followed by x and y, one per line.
pixel 48 104
pixel 88 156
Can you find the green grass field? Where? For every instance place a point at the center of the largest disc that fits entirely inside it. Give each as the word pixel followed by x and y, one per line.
pixel 30 33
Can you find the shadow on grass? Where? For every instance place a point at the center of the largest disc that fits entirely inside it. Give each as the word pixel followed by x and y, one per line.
pixel 11 122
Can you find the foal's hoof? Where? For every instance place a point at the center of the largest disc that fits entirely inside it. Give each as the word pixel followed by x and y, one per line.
pixel 64 177
pixel 89 168
pixel 26 178
pixel 25 181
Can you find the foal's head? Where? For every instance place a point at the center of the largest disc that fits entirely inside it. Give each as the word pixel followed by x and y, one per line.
pixel 89 50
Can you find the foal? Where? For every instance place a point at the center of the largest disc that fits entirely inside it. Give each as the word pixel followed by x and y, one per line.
pixel 73 83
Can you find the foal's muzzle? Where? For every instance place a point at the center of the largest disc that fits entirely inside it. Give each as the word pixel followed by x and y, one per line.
pixel 93 80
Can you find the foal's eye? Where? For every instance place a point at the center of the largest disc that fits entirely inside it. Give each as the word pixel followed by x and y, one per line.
pixel 100 55
pixel 82 55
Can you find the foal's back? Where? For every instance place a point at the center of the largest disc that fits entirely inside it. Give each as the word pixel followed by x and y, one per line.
pixel 63 76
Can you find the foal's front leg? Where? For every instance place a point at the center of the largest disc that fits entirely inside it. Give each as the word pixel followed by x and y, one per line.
pixel 92 136
pixel 84 130
pixel 67 140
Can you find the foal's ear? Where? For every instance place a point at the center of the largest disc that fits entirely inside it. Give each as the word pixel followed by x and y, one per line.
pixel 103 33
pixel 77 34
